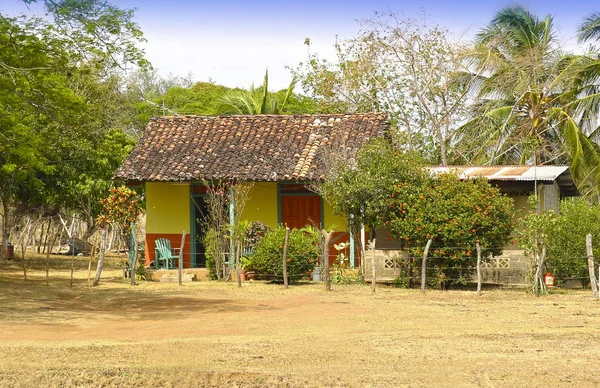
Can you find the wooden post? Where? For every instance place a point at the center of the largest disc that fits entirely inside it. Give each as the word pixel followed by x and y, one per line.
pixel 590 259
pixel 238 263
pixel 285 247
pixel 373 269
pixel 100 258
pixel 539 283
pixel 132 260
pixel 180 261
pixel 424 266
pixel 325 264
pixel 478 269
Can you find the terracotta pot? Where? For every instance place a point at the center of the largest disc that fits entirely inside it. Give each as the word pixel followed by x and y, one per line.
pixel 243 276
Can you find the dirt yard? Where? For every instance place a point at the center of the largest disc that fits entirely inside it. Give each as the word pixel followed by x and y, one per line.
pixel 214 334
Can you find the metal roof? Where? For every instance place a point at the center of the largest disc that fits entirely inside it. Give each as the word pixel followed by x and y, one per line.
pixel 505 173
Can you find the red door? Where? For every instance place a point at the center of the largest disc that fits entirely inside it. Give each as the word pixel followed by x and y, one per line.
pixel 298 211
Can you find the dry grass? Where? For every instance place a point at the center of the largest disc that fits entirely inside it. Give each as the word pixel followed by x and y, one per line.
pixel 214 334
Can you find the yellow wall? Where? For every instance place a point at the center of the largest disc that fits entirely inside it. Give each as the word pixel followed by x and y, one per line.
pixel 167 207
pixel 339 223
pixel 262 204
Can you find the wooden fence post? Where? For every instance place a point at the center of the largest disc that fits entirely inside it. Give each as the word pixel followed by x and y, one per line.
pixel 424 266
pixel 373 269
pixel 326 240
pixel 180 261
pixel 590 259
pixel 285 248
pixel 478 269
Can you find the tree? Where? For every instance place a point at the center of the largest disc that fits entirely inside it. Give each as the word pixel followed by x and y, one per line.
pixel 359 186
pixel 61 96
pixel 254 101
pixel 566 249
pixel 403 67
pixel 590 28
pixel 533 103
pixel 456 215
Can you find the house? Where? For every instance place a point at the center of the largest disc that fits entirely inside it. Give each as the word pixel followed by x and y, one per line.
pixel 278 155
pixel 551 183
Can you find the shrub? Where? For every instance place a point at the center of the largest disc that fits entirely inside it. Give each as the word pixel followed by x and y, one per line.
pixel 567 256
pixel 302 253
pixel 455 214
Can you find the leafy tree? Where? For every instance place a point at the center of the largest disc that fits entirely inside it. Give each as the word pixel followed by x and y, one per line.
pixel 533 102
pixel 360 186
pixel 456 215
pixel 567 256
pixel 60 93
pixel 254 101
pixel 403 67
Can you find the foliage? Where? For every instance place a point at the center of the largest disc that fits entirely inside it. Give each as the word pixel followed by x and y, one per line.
pixel 254 101
pixel 254 233
pixel 359 189
pixel 302 253
pixel 400 66
pixel 456 215
pixel 533 102
pixel 121 207
pixel 535 235
pixel 567 255
pixel 341 266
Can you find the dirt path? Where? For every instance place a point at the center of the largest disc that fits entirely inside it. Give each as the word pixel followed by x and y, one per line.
pixel 214 334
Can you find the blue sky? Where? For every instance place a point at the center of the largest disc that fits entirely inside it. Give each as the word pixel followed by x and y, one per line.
pixel 232 42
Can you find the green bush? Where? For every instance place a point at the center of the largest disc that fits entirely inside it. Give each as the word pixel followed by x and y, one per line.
pixel 567 256
pixel 303 253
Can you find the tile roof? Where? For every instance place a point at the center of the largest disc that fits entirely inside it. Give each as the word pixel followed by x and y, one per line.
pixel 253 148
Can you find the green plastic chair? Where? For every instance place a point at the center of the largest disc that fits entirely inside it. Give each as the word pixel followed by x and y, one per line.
pixel 165 254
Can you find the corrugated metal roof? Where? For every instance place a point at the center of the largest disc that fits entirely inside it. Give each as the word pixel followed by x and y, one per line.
pixel 505 173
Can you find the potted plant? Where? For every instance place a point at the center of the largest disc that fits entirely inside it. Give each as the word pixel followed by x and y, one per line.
pixel 247 273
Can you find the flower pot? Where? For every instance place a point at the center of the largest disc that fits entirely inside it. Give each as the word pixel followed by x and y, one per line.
pixel 250 275
pixel 243 276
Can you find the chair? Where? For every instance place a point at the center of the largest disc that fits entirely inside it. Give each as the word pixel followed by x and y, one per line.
pixel 165 254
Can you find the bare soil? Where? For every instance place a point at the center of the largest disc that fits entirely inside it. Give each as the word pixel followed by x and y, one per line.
pixel 215 334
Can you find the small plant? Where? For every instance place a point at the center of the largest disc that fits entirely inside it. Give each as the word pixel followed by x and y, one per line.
pixel 302 252
pixel 341 266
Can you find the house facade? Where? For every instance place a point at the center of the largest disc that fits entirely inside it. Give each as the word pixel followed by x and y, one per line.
pixel 277 156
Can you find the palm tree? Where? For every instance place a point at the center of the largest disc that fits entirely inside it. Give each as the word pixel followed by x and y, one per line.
pixel 533 103
pixel 254 101
pixel 590 28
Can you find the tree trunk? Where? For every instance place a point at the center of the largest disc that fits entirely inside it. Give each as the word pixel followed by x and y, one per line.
pixel 90 264
pixel 46 236
pixel 285 247
pixel 590 259
pixel 5 229
pixel 424 266
pixel 24 242
pixel 478 269
pixel 100 259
